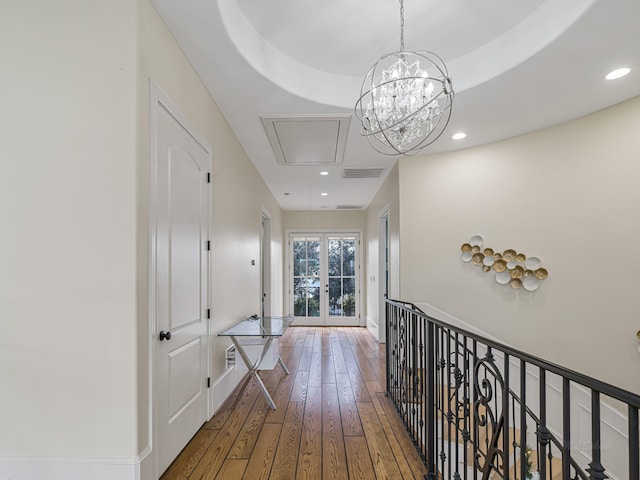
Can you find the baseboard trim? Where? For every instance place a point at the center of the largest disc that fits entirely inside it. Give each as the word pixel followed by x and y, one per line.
pixel 145 464
pixel 68 468
pixel 60 468
pixel 373 328
pixel 223 386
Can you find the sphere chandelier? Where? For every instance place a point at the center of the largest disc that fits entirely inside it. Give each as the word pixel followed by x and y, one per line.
pixel 405 100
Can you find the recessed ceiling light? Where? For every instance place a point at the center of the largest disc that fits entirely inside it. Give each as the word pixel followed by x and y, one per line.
pixel 458 136
pixel 617 73
pixel 324 173
pixel 324 194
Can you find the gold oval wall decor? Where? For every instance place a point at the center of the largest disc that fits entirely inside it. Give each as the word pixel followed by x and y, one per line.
pixel 499 265
pixel 511 267
pixel 509 255
pixel 541 273
pixel 517 272
pixel 515 283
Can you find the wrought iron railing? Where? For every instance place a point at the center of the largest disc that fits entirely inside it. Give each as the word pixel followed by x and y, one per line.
pixel 477 409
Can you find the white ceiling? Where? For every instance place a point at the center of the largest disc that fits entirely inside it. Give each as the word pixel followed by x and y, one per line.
pixel 516 66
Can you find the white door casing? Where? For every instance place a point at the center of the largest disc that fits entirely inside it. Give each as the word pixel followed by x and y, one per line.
pixel 323 279
pixel 383 271
pixel 180 199
pixel 265 263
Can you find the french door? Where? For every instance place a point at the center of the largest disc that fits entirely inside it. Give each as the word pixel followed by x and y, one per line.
pixel 325 278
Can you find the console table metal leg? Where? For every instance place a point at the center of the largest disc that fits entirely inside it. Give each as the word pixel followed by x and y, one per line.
pixel 265 393
pixel 253 371
pixel 284 367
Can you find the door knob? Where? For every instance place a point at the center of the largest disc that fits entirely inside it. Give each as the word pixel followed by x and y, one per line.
pixel 164 335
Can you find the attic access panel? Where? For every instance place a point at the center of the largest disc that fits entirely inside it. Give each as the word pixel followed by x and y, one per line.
pixel 307 139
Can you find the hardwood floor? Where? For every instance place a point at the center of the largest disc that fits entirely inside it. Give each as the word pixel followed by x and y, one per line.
pixel 332 419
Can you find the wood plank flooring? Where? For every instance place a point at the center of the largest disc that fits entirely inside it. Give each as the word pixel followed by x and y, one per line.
pixel 332 419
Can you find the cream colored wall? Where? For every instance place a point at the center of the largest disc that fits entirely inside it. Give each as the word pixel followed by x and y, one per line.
pixel 238 195
pixel 386 198
pixel 338 219
pixel 568 195
pixel 68 209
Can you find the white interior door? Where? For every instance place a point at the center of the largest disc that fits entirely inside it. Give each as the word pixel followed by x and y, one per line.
pixel 181 285
pixel 265 265
pixel 325 278
pixel 383 273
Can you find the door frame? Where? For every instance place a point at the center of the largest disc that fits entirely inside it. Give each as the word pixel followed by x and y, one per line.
pixel 326 231
pixel 159 100
pixel 384 270
pixel 265 262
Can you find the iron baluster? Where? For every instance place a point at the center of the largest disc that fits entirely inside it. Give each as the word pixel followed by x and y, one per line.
pixel 476 429
pixel 505 414
pixel 634 443
pixel 541 433
pixel 566 428
pixel 456 373
pixel 431 417
pixel 523 420
pixel 465 399
pixel 443 397
pixel 595 470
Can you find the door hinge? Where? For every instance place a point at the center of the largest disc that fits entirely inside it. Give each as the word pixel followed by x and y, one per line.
pixel 208 244
pixel 208 313
pixel 208 177
pixel 208 382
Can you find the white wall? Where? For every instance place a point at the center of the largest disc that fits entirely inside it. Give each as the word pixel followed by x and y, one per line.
pixel 387 197
pixel 67 241
pixel 313 219
pixel 568 195
pixel 74 197
pixel 238 192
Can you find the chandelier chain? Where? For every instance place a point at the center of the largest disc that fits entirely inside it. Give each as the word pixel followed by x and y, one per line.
pixel 402 25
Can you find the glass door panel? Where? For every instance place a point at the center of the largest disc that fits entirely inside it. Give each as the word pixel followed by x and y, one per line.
pixel 306 277
pixel 341 276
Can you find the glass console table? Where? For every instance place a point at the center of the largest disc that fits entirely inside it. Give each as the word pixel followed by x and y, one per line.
pixel 266 329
